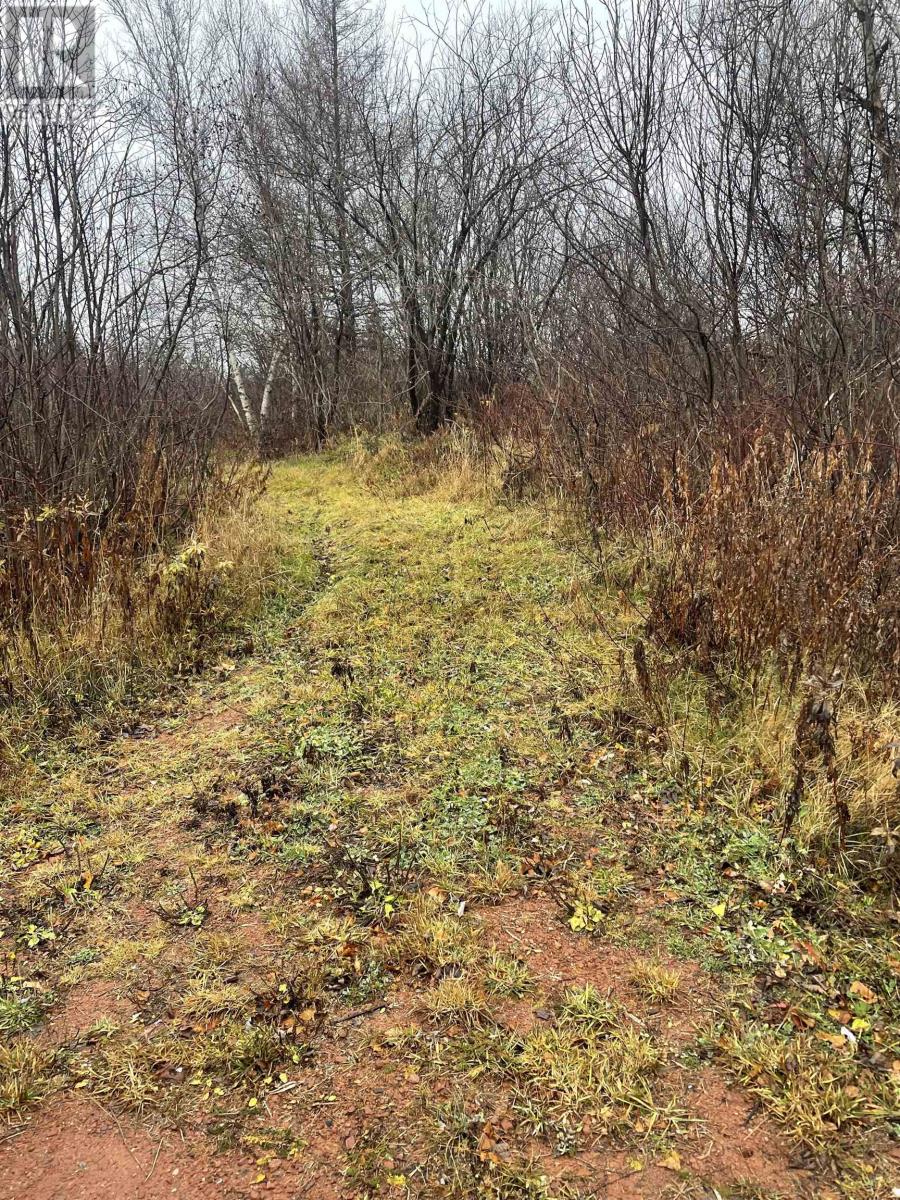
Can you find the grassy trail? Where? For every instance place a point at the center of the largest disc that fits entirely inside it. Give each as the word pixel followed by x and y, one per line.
pixel 420 892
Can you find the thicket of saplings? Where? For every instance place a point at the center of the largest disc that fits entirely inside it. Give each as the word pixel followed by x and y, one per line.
pixel 649 251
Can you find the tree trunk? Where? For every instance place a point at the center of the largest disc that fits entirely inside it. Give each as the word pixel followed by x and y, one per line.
pixel 347 310
pixel 872 57
pixel 265 408
pixel 244 405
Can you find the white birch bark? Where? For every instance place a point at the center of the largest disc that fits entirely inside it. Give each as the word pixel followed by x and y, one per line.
pixel 265 408
pixel 244 405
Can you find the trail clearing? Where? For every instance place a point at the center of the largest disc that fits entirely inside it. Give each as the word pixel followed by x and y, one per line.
pixel 418 892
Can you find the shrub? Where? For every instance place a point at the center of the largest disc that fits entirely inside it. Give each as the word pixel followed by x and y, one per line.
pixel 788 559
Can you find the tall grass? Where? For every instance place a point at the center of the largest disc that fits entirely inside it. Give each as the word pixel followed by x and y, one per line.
pixel 787 559
pixel 107 610
pixel 774 550
pixel 451 462
pixel 764 568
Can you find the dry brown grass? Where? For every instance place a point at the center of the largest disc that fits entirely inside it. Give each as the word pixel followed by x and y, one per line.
pixel 25 1075
pixel 788 559
pixel 452 464
pixel 143 612
pixel 812 1088
pixel 756 543
pixel 655 981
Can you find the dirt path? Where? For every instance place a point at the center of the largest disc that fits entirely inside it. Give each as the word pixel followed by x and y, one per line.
pixel 409 899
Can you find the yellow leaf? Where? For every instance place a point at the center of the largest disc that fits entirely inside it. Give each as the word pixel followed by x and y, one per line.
pixel 833 1039
pixel 252 1102
pixel 671 1162
pixel 721 908
pixel 863 991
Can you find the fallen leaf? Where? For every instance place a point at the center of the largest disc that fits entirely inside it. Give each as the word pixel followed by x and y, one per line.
pixel 833 1039
pixel 863 991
